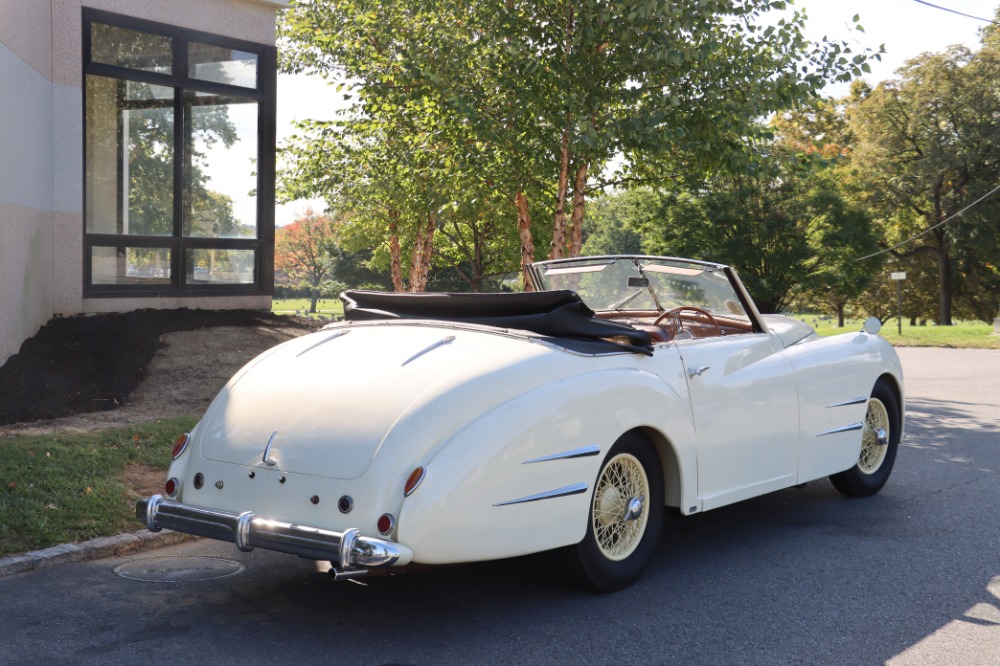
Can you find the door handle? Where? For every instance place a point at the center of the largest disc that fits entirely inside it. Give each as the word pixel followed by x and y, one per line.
pixel 692 373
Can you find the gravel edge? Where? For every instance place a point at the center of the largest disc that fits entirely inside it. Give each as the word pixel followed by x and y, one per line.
pixel 95 549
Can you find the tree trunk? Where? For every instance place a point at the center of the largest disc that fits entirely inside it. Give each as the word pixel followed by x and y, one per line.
pixel 558 248
pixel 840 315
pixel 576 227
pixel 944 277
pixel 314 293
pixel 420 262
pixel 524 232
pixel 395 253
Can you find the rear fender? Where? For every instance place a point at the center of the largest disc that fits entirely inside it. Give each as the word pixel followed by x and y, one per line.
pixel 476 501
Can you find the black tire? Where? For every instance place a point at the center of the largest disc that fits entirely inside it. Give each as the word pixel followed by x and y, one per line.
pixel 876 460
pixel 611 556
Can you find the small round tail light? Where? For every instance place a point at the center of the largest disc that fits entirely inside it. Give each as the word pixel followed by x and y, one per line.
pixel 180 446
pixel 386 523
pixel 416 476
pixel 171 487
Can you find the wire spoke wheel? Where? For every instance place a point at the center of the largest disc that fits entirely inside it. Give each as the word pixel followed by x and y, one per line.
pixel 624 517
pixel 875 437
pixel 879 442
pixel 620 517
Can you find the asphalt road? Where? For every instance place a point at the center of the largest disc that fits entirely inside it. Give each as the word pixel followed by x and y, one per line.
pixel 911 576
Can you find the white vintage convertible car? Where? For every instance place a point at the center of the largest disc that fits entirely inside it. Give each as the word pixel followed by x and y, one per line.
pixel 444 428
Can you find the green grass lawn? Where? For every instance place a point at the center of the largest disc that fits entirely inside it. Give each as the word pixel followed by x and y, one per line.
pixel 325 306
pixel 65 488
pixel 963 334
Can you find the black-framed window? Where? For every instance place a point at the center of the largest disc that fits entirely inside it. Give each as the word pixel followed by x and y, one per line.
pixel 178 160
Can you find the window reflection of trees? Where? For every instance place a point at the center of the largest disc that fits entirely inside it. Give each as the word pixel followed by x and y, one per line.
pixel 134 142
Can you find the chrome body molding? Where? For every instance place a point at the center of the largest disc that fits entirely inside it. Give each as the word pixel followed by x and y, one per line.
pixel 846 428
pixel 582 452
pixel 861 399
pixel 443 341
pixel 248 531
pixel 324 341
pixel 574 489
pixel 266 458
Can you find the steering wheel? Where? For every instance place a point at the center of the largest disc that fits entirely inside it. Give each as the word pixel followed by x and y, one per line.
pixel 675 312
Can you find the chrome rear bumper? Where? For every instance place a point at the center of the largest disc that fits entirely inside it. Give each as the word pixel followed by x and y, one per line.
pixel 346 550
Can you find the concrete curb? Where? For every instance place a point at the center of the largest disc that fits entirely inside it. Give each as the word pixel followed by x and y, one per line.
pixel 95 549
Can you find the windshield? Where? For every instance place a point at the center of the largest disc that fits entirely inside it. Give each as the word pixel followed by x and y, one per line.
pixel 643 283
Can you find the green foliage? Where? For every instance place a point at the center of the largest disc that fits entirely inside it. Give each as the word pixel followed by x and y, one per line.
pixel 613 220
pixel 928 145
pixel 489 102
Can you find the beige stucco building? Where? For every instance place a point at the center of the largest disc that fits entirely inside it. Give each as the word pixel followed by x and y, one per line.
pixel 136 157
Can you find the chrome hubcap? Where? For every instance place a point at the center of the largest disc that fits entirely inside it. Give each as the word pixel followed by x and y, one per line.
pixel 634 511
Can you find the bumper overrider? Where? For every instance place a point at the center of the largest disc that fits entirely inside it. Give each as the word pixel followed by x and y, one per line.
pixel 347 550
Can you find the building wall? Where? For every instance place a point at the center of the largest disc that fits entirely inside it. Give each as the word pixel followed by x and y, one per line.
pixel 26 168
pixel 41 152
pixel 252 20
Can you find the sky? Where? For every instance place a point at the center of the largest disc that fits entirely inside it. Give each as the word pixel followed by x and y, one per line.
pixel 907 28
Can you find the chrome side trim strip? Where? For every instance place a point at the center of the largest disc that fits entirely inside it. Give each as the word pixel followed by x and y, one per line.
pixel 574 489
pixel 853 401
pixel 443 341
pixel 846 428
pixel 323 341
pixel 582 452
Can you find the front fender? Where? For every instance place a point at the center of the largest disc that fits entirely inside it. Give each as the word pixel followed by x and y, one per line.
pixel 472 504
pixel 835 376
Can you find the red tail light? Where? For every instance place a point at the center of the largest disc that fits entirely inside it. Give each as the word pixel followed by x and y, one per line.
pixel 180 446
pixel 386 523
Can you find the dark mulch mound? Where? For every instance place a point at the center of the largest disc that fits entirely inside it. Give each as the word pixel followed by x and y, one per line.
pixel 92 363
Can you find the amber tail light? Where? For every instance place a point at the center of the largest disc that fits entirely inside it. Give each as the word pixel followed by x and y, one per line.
pixel 416 476
pixel 180 446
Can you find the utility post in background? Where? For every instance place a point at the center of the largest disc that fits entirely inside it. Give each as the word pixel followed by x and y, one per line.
pixel 899 277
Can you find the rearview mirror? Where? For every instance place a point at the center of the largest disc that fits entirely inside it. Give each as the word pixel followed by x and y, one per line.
pixel 638 282
pixel 872 325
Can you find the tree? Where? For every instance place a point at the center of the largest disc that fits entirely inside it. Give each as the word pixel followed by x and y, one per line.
pixel 301 251
pixel 532 99
pixel 929 145
pixel 839 232
pixel 612 221
pixel 787 226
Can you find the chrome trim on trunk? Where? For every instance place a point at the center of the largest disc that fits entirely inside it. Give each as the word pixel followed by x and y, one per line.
pixel 443 341
pixel 248 531
pixel 324 341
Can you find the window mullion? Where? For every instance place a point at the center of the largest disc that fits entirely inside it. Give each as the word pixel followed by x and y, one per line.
pixel 180 161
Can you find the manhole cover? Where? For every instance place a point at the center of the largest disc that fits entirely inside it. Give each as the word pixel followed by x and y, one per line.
pixel 178 569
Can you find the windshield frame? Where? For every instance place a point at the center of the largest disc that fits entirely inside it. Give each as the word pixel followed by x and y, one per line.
pixel 537 275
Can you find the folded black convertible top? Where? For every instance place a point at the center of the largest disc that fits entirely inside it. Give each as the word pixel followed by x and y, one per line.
pixel 557 314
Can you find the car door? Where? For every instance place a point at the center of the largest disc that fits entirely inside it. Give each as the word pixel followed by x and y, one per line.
pixel 744 405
